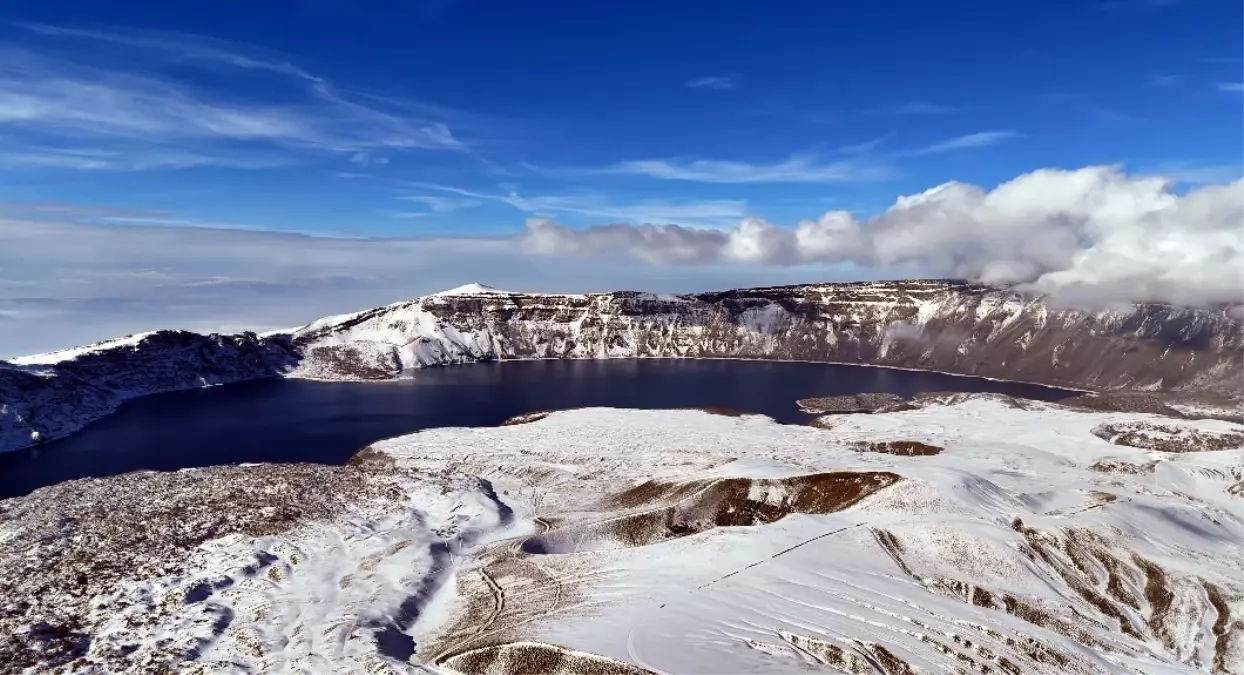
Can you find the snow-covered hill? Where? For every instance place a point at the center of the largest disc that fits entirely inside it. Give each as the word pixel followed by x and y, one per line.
pixel 52 395
pixel 947 326
pixel 967 534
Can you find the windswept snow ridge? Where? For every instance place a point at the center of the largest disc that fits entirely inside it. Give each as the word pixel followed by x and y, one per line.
pixel 472 289
pixel 625 541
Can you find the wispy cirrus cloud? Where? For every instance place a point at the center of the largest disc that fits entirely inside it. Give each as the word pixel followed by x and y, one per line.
pixel 718 82
pixel 980 139
pixel 1163 80
pixel 806 168
pixel 711 213
pixel 130 101
pixel 1231 86
pixel 442 204
pixel 912 108
pixel 864 165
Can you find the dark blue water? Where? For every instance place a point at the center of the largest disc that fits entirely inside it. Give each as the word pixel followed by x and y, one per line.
pixel 299 421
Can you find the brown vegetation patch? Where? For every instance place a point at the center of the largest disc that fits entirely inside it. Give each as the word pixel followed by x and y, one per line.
pixel 1121 402
pixel 652 492
pixel 726 502
pixel 850 403
pixel 901 448
pixel 536 658
pixel 862 658
pixel 1224 628
pixel 893 548
pixel 1167 437
pixel 1119 466
pixel 1073 558
pixel 527 418
pixel 1160 598
pixel 362 361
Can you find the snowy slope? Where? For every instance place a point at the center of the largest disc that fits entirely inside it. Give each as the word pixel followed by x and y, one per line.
pixel 1012 538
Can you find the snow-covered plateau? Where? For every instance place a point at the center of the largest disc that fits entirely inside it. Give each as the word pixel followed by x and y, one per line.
pixel 1193 354
pixel 959 534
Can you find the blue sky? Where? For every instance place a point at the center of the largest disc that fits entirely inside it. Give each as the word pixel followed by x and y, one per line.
pixel 415 117
pixel 660 145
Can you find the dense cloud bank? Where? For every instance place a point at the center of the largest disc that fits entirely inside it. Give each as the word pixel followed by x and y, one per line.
pixel 1088 237
pixel 1094 235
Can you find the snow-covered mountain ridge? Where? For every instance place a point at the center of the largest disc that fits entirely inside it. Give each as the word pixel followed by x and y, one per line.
pixel 949 326
pixel 943 325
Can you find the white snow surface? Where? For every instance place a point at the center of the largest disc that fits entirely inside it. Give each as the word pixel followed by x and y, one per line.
pixel 473 289
pixel 805 593
pixel 51 358
pixel 719 601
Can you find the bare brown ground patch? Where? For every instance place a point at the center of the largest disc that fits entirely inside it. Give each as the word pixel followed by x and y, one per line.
pixel 354 361
pixel 847 659
pixel 850 403
pixel 726 502
pixel 893 548
pixel 900 448
pixel 504 591
pixel 1160 598
pixel 1121 402
pixel 1167 437
pixel 536 658
pixel 527 418
pixel 1072 560
pixel 1224 628
pixel 1120 466
pixel 652 492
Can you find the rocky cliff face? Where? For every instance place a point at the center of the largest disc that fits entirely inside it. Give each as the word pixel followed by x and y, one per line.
pixel 52 395
pixel 949 326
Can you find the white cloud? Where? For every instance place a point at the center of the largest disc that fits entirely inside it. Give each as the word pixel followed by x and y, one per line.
pixel 441 204
pixel 118 97
pixel 1095 234
pixel 1163 80
pixel 65 283
pixel 979 139
pixel 697 213
pixel 796 169
pixel 918 108
pixel 365 160
pixel 1231 86
pixel 715 82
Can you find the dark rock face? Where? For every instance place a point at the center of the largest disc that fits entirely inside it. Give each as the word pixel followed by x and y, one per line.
pixel 39 402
